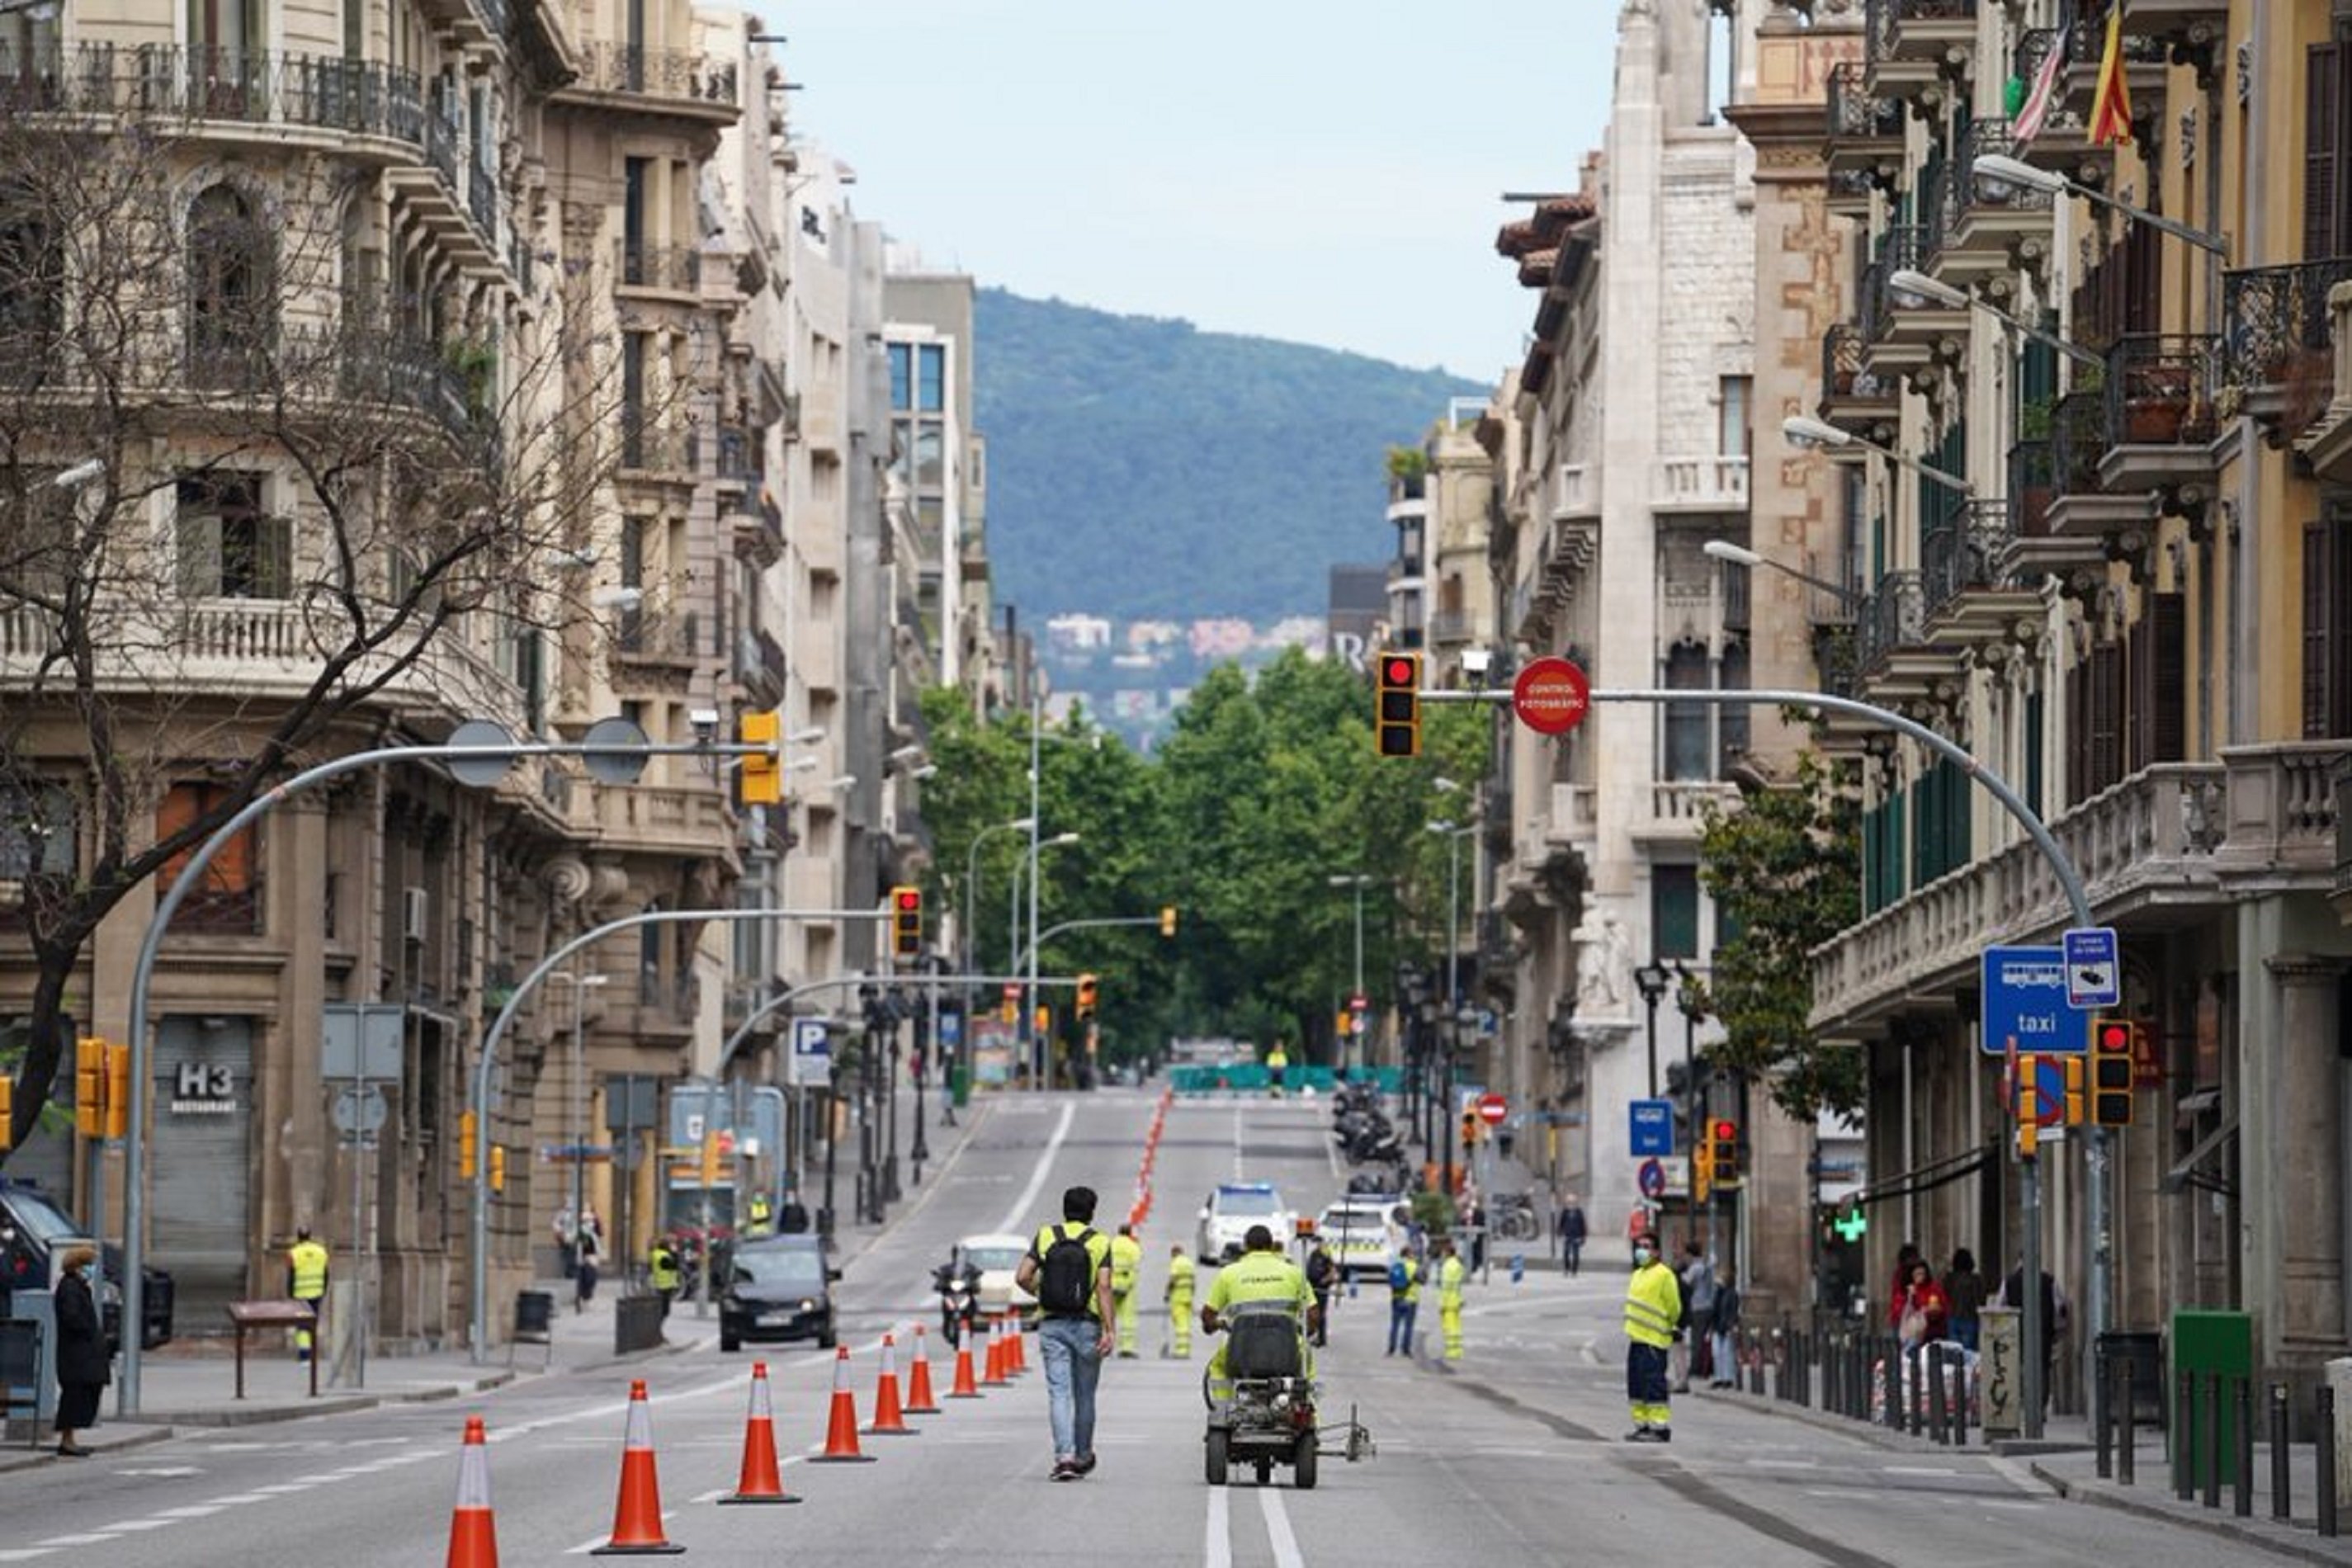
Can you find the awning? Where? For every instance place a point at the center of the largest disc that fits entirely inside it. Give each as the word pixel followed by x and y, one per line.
pixel 1924 1178
pixel 2184 1173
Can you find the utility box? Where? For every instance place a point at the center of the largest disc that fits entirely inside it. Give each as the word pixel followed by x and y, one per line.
pixel 2204 1344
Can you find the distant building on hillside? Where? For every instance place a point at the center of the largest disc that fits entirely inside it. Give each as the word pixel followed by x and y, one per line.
pixel 1077 634
pixel 1225 637
pixel 1294 631
pixel 1144 635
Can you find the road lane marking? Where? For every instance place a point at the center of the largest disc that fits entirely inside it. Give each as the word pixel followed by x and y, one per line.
pixel 193 1511
pixel 55 1540
pixel 1277 1527
pixel 1919 1471
pixel 129 1524
pixel 1217 1542
pixel 22 1553
pixel 585 1547
pixel 1016 1217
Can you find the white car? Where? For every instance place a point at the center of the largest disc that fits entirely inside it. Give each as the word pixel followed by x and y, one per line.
pixel 996 1255
pixel 1230 1212
pixel 1356 1231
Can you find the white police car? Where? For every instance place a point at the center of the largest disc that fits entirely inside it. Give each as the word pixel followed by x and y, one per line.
pixel 1230 1212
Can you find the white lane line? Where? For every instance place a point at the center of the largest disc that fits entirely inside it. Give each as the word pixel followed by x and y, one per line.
pixel 1919 1471
pixel 1217 1542
pixel 1784 1464
pixel 237 1498
pixel 22 1553
pixel 585 1547
pixel 74 1541
pixel 1016 1218
pixel 193 1511
pixel 1277 1526
pixel 130 1524
pixel 1237 1141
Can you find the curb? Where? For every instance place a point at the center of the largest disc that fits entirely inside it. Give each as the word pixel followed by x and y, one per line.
pixel 2286 1541
pixel 13 1458
pixel 1877 1437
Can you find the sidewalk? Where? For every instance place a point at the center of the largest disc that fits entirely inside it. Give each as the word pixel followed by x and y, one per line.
pixel 192 1384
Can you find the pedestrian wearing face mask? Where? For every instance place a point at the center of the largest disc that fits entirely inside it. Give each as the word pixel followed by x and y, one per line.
pixel 1653 1310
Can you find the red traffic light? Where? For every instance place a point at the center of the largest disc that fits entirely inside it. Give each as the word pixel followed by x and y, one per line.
pixel 909 898
pixel 1399 672
pixel 2115 1036
pixel 1727 1131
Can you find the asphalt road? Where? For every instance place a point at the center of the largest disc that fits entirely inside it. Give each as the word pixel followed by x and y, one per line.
pixel 1513 1458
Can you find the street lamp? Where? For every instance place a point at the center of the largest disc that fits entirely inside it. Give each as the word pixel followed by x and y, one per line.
pixel 1651 980
pixel 1694 1014
pixel 2017 171
pixel 971 882
pixel 1916 288
pixel 1038 847
pixel 1740 555
pixel 579 984
pixel 1453 836
pixel 1799 430
pixel 1360 882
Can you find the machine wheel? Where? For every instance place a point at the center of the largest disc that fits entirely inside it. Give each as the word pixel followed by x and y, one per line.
pixel 1302 1462
pixel 828 1340
pixel 729 1342
pixel 1220 1456
pixel 1266 1472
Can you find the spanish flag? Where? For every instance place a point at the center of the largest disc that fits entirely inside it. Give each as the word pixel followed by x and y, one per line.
pixel 2111 111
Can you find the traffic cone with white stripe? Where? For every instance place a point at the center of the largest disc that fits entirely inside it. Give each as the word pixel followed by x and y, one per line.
pixel 889 1419
pixel 473 1526
pixel 966 1385
pixel 637 1514
pixel 760 1481
pixel 841 1423
pixel 919 1379
pixel 993 1375
pixel 1020 1346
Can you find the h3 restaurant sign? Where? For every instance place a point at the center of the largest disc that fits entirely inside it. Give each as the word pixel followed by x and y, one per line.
pixel 205 1089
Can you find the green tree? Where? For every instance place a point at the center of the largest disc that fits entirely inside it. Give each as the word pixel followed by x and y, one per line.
pixel 1785 872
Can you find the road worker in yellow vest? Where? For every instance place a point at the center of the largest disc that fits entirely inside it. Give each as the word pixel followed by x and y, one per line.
pixel 306 1281
pixel 1179 1303
pixel 1260 1276
pixel 1653 1310
pixel 1126 1270
pixel 1449 1297
pixel 1277 1067
pixel 662 1269
pixel 760 1217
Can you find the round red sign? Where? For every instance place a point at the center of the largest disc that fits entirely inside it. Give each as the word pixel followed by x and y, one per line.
pixel 1493 1108
pixel 1550 696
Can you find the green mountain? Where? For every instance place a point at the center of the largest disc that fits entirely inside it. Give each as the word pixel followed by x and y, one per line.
pixel 1141 469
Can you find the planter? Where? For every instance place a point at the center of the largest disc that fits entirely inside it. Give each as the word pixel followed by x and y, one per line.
pixel 2154 421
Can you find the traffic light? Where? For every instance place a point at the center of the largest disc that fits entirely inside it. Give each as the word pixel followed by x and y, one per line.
pixel 2027 1101
pixel 497 1167
pixel 1167 919
pixel 1086 992
pixel 1702 1170
pixel 1397 729
pixel 2115 1053
pixel 1723 1152
pixel 906 921
pixel 1469 1129
pixel 467 1124
pixel 90 1087
pixel 2074 1069
pixel 764 771
pixel 7 1112
pixel 710 1157
pixel 118 1091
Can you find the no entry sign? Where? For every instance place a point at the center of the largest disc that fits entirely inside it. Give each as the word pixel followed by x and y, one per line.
pixel 1550 696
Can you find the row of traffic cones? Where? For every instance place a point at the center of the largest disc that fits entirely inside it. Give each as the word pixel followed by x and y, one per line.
pixel 637 1512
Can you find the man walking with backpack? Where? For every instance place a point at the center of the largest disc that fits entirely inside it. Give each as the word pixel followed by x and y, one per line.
pixel 1068 1269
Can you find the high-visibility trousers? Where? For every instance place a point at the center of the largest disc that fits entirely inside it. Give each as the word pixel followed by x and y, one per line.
pixel 1449 1320
pixel 1126 1313
pixel 302 1346
pixel 1180 1325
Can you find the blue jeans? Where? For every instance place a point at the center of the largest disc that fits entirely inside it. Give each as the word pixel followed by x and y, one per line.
pixel 1072 1370
pixel 1966 1330
pixel 1401 1316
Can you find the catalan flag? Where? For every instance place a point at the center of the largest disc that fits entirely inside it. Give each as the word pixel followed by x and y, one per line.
pixel 2111 111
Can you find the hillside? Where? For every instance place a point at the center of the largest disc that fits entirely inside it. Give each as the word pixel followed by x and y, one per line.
pixel 1141 469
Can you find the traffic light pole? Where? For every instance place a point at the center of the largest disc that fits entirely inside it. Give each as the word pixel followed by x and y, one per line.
pixel 2097 1152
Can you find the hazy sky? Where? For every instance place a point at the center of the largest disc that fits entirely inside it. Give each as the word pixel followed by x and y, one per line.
pixel 1319 171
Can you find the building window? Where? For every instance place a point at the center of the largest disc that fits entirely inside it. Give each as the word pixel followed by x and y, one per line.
pixel 32 281
pixel 232 319
pixel 902 377
pixel 1688 751
pixel 1673 911
pixel 2326 625
pixel 37 831
pixel 230 547
pixel 1732 723
pixel 931 383
pixel 633 348
pixel 228 897
pixel 1731 417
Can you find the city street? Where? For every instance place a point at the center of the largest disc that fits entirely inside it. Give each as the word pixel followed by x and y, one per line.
pixel 1514 1458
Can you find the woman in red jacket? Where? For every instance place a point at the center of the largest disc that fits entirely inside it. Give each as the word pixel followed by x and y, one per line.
pixel 1925 1313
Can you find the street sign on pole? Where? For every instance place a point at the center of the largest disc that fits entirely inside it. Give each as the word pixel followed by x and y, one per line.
pixel 812 1061
pixel 1653 1178
pixel 2093 968
pixel 2024 991
pixel 1653 1130
pixel 1550 696
pixel 1492 1108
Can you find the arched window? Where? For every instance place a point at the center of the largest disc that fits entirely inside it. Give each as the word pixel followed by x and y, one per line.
pixel 232 315
pixel 1688 757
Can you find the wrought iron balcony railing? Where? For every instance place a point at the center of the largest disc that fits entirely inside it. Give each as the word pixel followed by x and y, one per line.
pixel 1902 249
pixel 1965 552
pixel 325 92
pixel 2280 356
pixel 682 74
pixel 1894 617
pixel 2160 389
pixel 677 267
pixel 1856 113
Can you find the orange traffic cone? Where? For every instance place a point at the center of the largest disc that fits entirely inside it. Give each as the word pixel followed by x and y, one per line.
pixel 993 1375
pixel 760 1480
pixel 473 1527
pixel 966 1385
pixel 637 1515
pixel 919 1380
pixel 1020 1347
pixel 888 1418
pixel 841 1423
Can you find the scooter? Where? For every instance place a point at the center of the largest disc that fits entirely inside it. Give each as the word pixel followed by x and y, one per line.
pixel 959 1302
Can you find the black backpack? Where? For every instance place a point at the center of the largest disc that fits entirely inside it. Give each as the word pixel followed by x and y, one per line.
pixel 1065 1274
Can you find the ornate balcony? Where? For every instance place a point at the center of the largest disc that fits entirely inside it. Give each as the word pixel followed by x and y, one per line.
pixel 1864 147
pixel 1988 227
pixel 677 82
pixel 758 528
pixel 657 268
pixel 1676 810
pixel 2082 508
pixel 2034 486
pixel 2279 362
pixel 683 822
pixel 1889 623
pixel 1966 575
pixel 2161 421
pixel 2328 443
pixel 1911 49
pixel 1853 397
pixel 1702 485
pixel 2184 32
pixel 1898 339
pixel 2064 144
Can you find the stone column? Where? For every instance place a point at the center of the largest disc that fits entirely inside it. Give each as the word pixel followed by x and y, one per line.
pixel 2307 1324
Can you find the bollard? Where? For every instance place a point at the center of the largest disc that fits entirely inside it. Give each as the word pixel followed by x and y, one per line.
pixel 2184 1435
pixel 1914 1403
pixel 2126 1441
pixel 1890 1358
pixel 2323 1442
pixel 2282 1486
pixel 2208 1444
pixel 2103 1405
pixel 1960 1399
pixel 2241 1484
pixel 1935 1365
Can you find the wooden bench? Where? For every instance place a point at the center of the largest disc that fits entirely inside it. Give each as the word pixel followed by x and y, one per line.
pixel 284 1314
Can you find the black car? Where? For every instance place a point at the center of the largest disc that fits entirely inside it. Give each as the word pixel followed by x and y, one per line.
pixel 778 1288
pixel 32 1227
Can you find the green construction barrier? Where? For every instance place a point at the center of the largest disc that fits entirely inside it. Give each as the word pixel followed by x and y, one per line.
pixel 960 1084
pixel 2204 1342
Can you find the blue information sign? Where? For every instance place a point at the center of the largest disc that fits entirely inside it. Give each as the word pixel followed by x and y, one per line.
pixel 1653 1127
pixel 2094 967
pixel 2025 1000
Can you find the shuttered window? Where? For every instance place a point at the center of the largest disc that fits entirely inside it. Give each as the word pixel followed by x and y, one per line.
pixel 2107 716
pixel 2326 207
pixel 2166 717
pixel 2327 628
